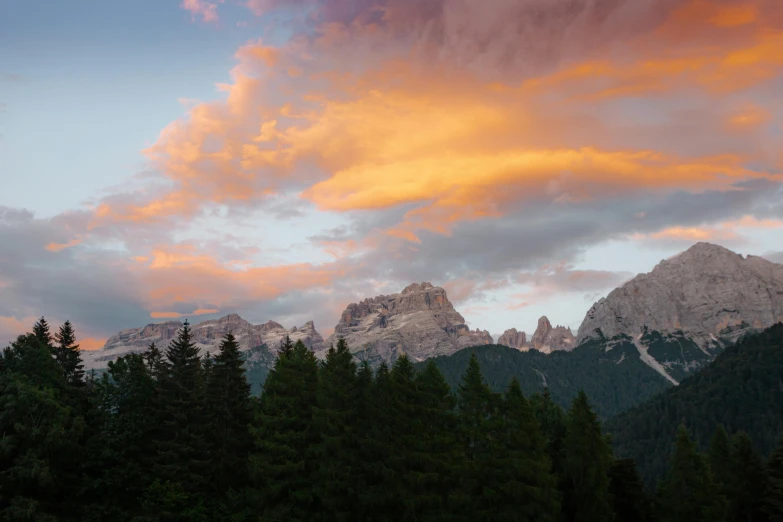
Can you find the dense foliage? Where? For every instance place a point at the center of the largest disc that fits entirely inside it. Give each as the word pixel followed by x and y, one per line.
pixel 169 435
pixel 742 390
pixel 615 379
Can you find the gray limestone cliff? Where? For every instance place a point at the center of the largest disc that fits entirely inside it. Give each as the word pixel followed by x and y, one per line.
pixel 206 335
pixel 707 294
pixel 546 339
pixel 420 321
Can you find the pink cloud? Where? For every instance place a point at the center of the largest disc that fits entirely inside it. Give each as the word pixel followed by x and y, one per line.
pixel 206 10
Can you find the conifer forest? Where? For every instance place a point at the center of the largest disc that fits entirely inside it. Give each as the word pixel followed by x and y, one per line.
pixel 170 435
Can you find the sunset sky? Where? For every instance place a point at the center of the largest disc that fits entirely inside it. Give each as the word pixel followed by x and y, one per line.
pixel 283 158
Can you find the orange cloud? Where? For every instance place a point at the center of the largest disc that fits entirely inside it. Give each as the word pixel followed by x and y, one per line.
pixel 723 231
pixel 92 343
pixel 57 247
pixel 175 315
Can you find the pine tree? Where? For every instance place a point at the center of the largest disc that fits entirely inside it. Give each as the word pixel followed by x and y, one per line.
pixel 629 499
pixel 476 405
pixel 439 445
pixel 335 419
pixel 153 358
pixel 746 479
pixel 41 436
pixel 719 455
pixel 183 450
pixel 122 452
pixel 283 463
pixel 42 333
pixel 588 458
pixel 688 494
pixel 773 498
pixel 67 353
pixel 229 408
pixel 520 485
pixel 554 426
pixel 378 497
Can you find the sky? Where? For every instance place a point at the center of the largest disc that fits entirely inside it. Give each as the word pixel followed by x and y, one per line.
pixel 280 159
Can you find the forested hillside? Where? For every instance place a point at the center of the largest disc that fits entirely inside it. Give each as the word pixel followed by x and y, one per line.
pixel 742 389
pixel 168 435
pixel 614 379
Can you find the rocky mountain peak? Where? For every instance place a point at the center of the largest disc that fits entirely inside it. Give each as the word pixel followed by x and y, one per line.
pixel 419 321
pixel 513 339
pixel 548 339
pixel 707 293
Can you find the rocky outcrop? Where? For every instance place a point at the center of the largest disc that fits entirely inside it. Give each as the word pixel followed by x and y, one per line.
pixel 206 335
pixel 513 339
pixel 420 321
pixel 707 294
pixel 547 339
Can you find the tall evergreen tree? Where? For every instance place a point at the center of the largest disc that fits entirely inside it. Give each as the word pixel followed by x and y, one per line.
pixel 67 353
pixel 477 407
pixel 123 449
pixel 229 409
pixel 554 426
pixel 40 436
pixel 183 449
pixel 588 458
pixel 629 499
pixel 438 489
pixel 773 498
pixel 153 358
pixel 747 479
pixel 283 463
pixel 688 494
pixel 520 485
pixel 335 419
pixel 42 333
pixel 719 455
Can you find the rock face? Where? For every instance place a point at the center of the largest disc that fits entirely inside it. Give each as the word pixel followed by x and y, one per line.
pixel 707 294
pixel 513 339
pixel 420 321
pixel 207 336
pixel 547 339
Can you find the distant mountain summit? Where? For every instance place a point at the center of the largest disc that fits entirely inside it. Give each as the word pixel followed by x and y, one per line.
pixel 420 321
pixel 707 294
pixel 207 336
pixel 546 339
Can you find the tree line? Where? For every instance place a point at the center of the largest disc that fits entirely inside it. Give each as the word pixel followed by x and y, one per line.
pixel 175 436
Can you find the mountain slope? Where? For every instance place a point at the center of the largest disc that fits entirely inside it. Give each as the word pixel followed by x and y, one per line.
pixel 615 379
pixel 741 389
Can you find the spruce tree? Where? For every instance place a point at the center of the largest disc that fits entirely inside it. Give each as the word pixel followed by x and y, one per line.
pixel 66 352
pixel 123 449
pixel 42 333
pixel 378 499
pixel 629 500
pixel 41 436
pixel 746 480
pixel 519 484
pixel 283 463
pixel 438 490
pixel 588 458
pixel 719 455
pixel 153 358
pixel 554 425
pixel 477 406
pixel 183 448
pixel 773 498
pixel 688 494
pixel 229 409
pixel 335 419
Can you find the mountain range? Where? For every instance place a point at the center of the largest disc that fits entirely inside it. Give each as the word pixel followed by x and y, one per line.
pixel 666 323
